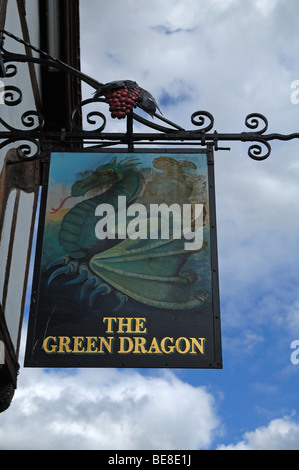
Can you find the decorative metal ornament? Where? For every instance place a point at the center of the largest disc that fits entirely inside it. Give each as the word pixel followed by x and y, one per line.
pixel 123 97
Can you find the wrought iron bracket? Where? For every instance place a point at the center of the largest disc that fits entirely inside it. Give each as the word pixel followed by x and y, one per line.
pixel 32 136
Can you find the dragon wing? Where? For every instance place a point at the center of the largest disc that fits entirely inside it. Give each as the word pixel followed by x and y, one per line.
pixel 149 271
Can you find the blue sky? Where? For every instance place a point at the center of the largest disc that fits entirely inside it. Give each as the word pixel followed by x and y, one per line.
pixel 230 58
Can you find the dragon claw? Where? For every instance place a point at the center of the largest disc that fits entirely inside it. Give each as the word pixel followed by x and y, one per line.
pixel 85 286
pixel 202 296
pixel 122 300
pixel 70 268
pixel 88 280
pixel 59 262
pixel 190 276
pixel 82 277
pixel 102 289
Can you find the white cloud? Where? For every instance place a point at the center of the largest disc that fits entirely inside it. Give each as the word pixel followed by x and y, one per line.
pixel 92 409
pixel 280 434
pixel 244 344
pixel 266 6
pixel 292 318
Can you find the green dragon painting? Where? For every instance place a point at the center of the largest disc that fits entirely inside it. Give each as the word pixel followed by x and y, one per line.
pixel 157 272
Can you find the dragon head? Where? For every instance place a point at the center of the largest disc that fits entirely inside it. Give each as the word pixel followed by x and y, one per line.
pixel 104 175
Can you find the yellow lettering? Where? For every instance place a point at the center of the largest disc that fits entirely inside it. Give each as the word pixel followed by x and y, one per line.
pixel 200 346
pixel 139 325
pixel 135 345
pixel 163 345
pixel 110 321
pixel 154 348
pixel 46 344
pixel 91 346
pixel 64 342
pixel 107 343
pixel 178 345
pixel 139 345
pixel 126 323
pixel 78 340
pixel 122 341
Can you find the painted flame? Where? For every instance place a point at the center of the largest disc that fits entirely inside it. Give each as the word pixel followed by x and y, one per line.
pixel 53 211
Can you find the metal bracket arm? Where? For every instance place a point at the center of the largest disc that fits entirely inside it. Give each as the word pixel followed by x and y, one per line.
pixel 31 135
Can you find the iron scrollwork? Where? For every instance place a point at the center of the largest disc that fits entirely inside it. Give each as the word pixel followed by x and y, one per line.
pixel 30 147
pixel 255 151
pixel 32 134
pixel 90 117
pixel 199 119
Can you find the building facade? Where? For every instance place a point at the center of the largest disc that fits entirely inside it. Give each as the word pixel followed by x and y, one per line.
pixel 52 26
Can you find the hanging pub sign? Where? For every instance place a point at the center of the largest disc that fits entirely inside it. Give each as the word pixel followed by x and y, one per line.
pixel 126 263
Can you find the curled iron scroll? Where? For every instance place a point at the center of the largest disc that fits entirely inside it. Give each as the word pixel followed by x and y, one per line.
pixel 29 147
pixel 28 150
pixel 90 116
pixel 10 70
pixel 11 95
pixel 253 121
pixel 30 119
pixel 33 118
pixel 199 119
pixel 257 150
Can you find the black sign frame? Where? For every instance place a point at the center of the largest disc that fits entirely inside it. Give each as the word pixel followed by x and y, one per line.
pixel 111 340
